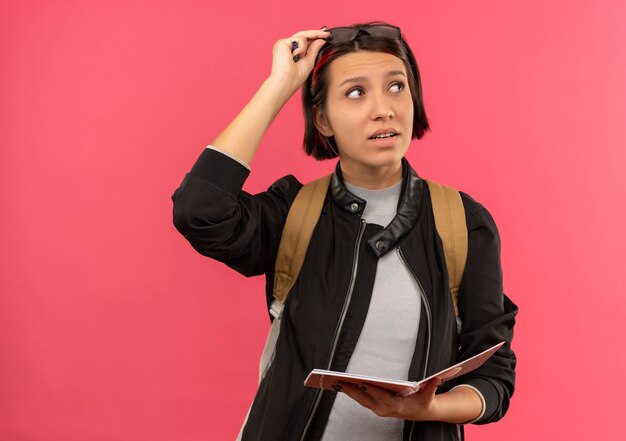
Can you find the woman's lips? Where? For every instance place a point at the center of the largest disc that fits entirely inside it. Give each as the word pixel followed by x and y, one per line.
pixel 385 141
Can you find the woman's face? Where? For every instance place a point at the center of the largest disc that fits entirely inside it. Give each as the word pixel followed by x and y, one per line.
pixel 364 88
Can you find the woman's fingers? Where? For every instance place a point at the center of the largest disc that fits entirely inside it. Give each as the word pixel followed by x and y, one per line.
pixel 311 35
pixel 431 386
pixel 312 49
pixel 294 57
pixel 359 395
pixel 385 403
pixel 379 400
pixel 302 39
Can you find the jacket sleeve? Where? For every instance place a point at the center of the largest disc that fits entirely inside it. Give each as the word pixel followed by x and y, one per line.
pixel 223 222
pixel 487 314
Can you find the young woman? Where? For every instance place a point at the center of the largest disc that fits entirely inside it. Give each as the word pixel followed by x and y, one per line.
pixel 372 296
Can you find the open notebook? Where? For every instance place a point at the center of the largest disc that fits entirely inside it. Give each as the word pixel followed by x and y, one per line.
pixel 323 379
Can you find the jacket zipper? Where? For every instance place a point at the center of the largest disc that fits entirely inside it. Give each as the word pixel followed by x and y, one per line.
pixel 344 310
pixel 428 320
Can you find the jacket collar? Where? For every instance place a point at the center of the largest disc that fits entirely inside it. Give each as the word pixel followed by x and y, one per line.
pixel 409 207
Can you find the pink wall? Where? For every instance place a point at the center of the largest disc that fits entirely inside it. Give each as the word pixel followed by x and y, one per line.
pixel 113 328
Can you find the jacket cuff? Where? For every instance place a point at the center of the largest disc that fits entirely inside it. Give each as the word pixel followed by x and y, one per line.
pixel 220 170
pixel 488 394
pixel 482 400
pixel 229 155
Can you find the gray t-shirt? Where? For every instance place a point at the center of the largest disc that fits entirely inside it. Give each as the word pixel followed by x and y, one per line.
pixel 387 341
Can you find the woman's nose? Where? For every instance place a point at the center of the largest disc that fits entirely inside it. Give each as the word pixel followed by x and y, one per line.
pixel 385 114
pixel 382 108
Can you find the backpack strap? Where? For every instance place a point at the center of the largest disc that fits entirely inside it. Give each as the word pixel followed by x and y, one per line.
pixel 305 211
pixel 452 229
pixel 301 220
pixel 294 241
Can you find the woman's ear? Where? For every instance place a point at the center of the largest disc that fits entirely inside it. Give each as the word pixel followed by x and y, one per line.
pixel 321 122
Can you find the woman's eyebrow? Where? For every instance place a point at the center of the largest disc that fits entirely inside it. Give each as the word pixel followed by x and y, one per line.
pixel 365 79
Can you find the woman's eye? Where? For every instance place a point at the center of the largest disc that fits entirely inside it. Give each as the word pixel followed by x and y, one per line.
pixel 351 91
pixel 399 84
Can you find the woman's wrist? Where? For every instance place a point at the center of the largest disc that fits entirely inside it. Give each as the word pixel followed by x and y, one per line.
pixel 281 87
pixel 429 412
pixel 461 405
pixel 483 404
pixel 243 135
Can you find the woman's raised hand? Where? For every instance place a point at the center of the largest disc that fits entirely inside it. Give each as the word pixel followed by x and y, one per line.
pixel 242 136
pixel 294 73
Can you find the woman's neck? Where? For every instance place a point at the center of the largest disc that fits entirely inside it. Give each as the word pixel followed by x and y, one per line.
pixel 372 178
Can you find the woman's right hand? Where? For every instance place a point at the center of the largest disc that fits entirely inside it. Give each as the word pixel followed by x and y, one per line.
pixel 294 73
pixel 243 135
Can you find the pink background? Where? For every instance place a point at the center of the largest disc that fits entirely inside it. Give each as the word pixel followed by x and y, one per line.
pixel 113 328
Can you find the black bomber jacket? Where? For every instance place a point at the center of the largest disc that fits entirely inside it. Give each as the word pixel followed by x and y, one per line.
pixel 327 306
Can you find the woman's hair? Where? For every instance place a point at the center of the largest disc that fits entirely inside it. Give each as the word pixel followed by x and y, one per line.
pixel 315 87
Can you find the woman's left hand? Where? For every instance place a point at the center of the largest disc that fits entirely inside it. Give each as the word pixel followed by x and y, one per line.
pixel 419 406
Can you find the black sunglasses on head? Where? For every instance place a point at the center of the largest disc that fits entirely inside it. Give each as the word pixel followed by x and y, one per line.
pixel 349 33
